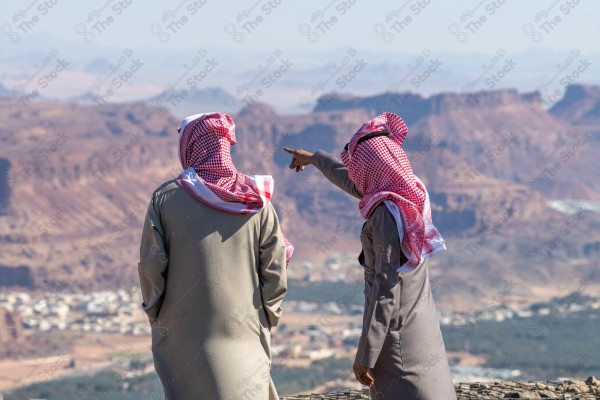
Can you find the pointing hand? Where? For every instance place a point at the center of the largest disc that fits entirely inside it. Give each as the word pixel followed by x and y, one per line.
pixel 300 158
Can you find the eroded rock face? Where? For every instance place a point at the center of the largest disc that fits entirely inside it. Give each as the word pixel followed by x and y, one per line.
pixel 5 189
pixel 11 328
pixel 18 343
pixel 490 164
pixel 580 102
pixel 15 276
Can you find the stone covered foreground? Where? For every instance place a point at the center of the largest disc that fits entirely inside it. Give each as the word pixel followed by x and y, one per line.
pixel 568 389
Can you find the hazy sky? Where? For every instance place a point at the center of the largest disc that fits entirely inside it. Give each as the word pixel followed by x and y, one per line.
pixel 389 26
pixel 360 47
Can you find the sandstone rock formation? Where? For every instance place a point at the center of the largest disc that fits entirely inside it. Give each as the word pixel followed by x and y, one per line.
pixel 78 180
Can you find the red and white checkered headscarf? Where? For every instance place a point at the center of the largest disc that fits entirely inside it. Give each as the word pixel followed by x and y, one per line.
pixel 379 168
pixel 209 175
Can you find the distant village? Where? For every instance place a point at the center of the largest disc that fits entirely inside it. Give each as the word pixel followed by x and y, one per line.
pixel 311 330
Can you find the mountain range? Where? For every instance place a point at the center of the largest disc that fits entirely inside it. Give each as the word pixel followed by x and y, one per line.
pixel 501 171
pixel 245 72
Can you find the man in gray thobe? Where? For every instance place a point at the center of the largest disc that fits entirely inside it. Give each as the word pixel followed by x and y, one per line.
pixel 401 353
pixel 212 271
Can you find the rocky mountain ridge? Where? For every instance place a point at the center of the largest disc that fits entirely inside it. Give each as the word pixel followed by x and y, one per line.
pixel 77 181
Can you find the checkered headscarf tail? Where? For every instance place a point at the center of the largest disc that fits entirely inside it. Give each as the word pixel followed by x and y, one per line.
pixel 209 174
pixel 381 171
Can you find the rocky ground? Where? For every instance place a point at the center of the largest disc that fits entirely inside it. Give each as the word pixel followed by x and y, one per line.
pixel 568 389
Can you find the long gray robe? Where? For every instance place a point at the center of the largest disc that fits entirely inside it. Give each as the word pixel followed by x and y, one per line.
pixel 212 284
pixel 401 342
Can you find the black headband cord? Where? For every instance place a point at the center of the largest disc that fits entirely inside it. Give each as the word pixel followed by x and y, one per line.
pixel 369 136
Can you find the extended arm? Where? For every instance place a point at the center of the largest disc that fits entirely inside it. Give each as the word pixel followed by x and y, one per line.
pixel 153 263
pixel 273 278
pixel 331 167
pixel 335 171
pixel 384 296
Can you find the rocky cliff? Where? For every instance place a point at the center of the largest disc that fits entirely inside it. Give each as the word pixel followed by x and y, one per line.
pixel 11 333
pixel 77 181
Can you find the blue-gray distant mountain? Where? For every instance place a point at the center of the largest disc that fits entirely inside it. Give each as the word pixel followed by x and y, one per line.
pixel 184 102
pixel 4 91
pixel 98 66
pixel 414 106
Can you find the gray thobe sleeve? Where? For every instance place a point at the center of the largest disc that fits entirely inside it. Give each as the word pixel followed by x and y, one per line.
pixel 153 263
pixel 273 278
pixel 384 294
pixel 335 171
